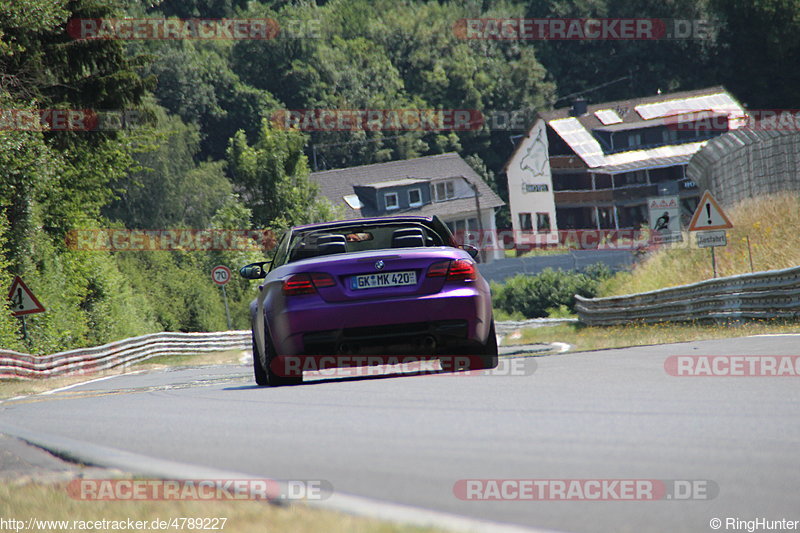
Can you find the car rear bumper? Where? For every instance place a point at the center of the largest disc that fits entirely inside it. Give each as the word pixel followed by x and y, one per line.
pixel 450 320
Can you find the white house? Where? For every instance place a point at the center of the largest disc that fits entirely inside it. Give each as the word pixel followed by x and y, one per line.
pixel 443 185
pixel 594 166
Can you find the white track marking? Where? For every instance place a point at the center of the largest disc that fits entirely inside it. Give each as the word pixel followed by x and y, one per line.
pixel 61 389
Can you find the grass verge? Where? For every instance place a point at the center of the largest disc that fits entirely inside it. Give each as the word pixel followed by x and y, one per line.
pixel 769 222
pixel 51 502
pixel 583 338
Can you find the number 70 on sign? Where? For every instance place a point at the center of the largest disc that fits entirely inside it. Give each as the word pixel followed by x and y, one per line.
pixel 221 274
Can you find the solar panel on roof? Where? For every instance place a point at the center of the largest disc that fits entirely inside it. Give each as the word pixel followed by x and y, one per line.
pixel 607 116
pixel 715 102
pixel 580 140
pixel 654 153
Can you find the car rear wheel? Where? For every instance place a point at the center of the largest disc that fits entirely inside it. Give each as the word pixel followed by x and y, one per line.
pixel 258 366
pixel 275 380
pixel 490 351
pixel 478 356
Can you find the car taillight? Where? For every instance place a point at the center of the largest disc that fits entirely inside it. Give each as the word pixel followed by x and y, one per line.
pixel 322 280
pixel 463 270
pixel 460 269
pixel 307 283
pixel 438 270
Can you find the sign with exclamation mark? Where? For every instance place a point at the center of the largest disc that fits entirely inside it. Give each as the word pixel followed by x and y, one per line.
pixel 709 215
pixel 23 302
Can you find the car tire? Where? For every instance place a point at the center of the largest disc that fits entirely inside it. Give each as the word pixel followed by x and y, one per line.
pixel 273 378
pixel 489 357
pixel 258 366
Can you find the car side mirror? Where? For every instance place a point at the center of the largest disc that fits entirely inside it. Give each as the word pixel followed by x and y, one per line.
pixel 471 250
pixel 254 270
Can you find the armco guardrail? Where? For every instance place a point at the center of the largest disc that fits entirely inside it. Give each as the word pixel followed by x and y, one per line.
pixel 769 294
pixel 86 360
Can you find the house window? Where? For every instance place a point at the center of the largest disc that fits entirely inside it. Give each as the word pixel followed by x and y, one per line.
pixel 543 221
pixel 525 222
pixel 634 139
pixel 390 199
pixel 606 218
pixel 462 225
pixel 414 198
pixel 444 190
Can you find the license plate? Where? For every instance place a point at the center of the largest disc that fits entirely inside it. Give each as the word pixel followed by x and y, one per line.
pixel 383 279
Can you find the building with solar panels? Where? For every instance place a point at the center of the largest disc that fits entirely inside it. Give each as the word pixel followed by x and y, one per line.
pixel 593 166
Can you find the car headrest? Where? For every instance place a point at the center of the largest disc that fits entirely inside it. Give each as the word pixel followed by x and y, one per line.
pixel 408 238
pixel 322 239
pixel 333 247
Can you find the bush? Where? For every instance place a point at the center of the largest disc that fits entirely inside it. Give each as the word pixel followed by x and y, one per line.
pixel 534 296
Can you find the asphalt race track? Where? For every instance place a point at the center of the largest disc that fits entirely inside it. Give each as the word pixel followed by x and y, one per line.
pixel 613 414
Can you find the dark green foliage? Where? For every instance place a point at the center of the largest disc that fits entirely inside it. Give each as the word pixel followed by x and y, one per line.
pixel 272 176
pixel 170 190
pixel 646 65
pixel 534 295
pixel 759 45
pixel 177 288
pixel 195 82
pixel 199 8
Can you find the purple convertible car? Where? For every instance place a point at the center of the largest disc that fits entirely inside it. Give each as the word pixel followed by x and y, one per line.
pixel 394 285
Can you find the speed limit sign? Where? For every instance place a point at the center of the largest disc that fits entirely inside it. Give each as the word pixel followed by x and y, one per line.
pixel 221 274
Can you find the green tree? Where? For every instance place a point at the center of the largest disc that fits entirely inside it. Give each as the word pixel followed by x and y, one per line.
pixel 55 181
pixel 272 178
pixel 758 41
pixel 170 189
pixel 199 8
pixel 616 69
pixel 196 82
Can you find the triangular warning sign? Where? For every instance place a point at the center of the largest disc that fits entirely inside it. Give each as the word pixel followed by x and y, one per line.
pixel 709 215
pixel 23 302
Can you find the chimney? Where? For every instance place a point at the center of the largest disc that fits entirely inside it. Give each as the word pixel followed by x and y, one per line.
pixel 579 106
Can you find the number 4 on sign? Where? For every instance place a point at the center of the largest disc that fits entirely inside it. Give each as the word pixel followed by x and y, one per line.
pixel 709 215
